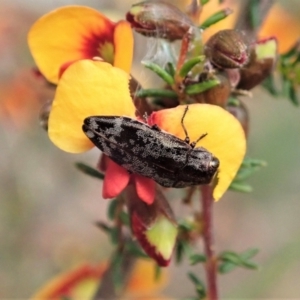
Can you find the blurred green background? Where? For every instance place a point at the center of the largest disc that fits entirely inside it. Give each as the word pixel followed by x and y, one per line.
pixel 48 208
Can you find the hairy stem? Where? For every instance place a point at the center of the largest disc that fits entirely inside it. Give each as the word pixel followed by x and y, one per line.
pixel 208 239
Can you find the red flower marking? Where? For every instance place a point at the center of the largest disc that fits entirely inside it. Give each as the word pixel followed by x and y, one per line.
pixel 91 44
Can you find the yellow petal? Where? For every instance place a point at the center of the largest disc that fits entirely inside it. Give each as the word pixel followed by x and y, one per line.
pixel 87 88
pixel 123 41
pixel 68 34
pixel 225 136
pixel 147 284
pixel 282 24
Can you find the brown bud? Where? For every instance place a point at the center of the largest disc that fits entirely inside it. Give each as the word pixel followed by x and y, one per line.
pixel 261 64
pixel 218 95
pixel 159 19
pixel 227 49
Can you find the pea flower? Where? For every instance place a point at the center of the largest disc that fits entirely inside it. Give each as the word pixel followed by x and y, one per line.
pixel 82 282
pixel 89 88
pixel 72 33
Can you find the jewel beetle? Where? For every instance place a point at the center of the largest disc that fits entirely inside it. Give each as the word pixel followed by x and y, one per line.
pixel 151 152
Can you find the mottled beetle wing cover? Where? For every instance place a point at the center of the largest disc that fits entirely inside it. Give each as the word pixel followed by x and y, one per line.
pixel 148 151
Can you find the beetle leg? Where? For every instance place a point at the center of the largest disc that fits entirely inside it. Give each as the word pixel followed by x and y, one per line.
pixel 155 127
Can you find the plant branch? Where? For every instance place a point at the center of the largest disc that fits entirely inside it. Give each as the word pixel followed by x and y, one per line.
pixel 208 239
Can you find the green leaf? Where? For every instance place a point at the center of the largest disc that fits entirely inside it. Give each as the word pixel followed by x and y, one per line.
pixel 255 13
pixel 144 93
pixel 111 211
pixel 103 226
pixel 240 187
pixel 249 253
pixel 158 272
pixel 89 170
pixel 203 2
pixel 185 225
pixel 231 257
pixel 269 85
pixel 179 251
pixel 215 18
pixel 114 235
pixel 200 288
pixel 125 218
pixel 290 53
pixel 289 91
pixel 197 88
pixel 250 265
pixel 197 258
pixel 163 74
pixel 231 260
pixel 135 250
pixel 226 267
pixel 116 264
pixel 190 64
pixel 170 69
pixel 247 168
pixel 182 249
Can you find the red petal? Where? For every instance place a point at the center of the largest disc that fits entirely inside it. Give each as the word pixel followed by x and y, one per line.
pixel 145 188
pixel 116 179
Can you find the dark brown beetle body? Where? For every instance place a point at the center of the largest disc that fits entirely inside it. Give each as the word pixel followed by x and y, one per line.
pixel 150 152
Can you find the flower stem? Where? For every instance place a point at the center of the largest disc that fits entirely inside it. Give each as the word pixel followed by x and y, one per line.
pixel 208 238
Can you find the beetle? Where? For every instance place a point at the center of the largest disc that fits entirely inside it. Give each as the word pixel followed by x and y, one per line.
pixel 151 152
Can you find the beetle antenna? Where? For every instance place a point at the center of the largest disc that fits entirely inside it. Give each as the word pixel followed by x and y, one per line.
pixel 187 139
pixel 193 144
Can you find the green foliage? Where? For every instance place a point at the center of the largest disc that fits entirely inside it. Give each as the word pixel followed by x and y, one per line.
pixel 215 18
pixel 112 208
pixel 89 170
pixel 199 286
pixel 289 73
pixel 198 88
pixel 163 74
pixel 160 93
pixel 190 64
pixel 170 68
pixel 231 260
pixel 248 167
pixel 203 2
pixel 197 258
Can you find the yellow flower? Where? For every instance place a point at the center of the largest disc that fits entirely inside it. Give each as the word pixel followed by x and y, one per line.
pixel 82 282
pixel 89 88
pixel 72 33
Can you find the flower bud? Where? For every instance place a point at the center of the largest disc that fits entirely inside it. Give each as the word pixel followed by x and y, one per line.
pixel 227 49
pixel 153 225
pixel 159 19
pixel 261 64
pixel 217 95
